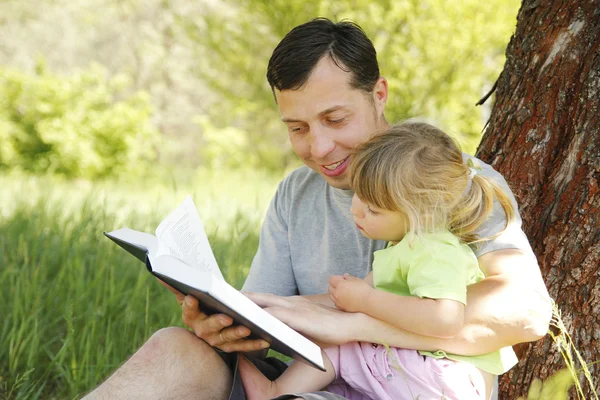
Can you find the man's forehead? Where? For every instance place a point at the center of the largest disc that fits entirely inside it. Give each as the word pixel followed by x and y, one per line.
pixel 300 105
pixel 326 87
pixel 320 113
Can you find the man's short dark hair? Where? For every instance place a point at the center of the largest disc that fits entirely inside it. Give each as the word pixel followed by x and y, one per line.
pixel 303 47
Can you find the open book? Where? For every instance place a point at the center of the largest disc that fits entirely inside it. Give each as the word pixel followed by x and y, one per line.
pixel 180 255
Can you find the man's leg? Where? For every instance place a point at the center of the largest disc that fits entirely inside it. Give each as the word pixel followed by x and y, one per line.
pixel 172 364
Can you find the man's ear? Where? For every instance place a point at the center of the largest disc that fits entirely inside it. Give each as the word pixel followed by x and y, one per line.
pixel 380 94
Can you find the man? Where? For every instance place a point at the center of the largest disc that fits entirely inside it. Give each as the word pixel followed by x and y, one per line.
pixel 326 83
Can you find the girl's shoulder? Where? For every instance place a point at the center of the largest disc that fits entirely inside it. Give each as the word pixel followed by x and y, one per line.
pixel 442 239
pixel 438 247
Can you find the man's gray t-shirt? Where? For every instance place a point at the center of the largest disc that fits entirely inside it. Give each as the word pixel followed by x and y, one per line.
pixel 309 235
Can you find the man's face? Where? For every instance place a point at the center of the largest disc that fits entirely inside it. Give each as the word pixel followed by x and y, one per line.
pixel 327 119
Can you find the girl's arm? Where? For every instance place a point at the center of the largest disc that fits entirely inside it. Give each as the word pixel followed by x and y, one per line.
pixel 442 318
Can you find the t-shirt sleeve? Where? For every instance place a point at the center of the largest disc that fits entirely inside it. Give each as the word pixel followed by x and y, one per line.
pixel 513 237
pixel 271 270
pixel 439 270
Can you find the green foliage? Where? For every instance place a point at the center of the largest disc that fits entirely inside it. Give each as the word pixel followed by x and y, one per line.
pixel 555 387
pixel 85 125
pixel 577 369
pixel 439 61
pixel 224 148
pixel 208 59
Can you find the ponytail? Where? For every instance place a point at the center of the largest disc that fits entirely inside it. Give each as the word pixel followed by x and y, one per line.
pixel 418 170
pixel 475 207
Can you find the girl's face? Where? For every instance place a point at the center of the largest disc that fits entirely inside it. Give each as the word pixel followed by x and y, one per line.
pixel 378 224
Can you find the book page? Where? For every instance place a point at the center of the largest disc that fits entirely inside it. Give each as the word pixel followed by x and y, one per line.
pixel 182 235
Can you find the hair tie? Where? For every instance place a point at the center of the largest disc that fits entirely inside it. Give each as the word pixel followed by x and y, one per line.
pixel 472 173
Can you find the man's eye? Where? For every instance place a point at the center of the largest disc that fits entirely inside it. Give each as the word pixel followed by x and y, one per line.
pixel 337 121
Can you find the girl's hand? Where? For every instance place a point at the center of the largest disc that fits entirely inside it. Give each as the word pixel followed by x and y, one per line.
pixel 349 293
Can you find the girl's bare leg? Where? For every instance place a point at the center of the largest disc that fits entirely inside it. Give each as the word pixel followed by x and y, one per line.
pixel 298 378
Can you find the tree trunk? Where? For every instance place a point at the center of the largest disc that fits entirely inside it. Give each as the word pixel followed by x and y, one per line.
pixel 544 137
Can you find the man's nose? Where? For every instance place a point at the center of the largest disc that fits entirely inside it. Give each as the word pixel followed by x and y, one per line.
pixel 322 144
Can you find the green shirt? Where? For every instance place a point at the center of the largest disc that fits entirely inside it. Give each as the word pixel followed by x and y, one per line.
pixel 436 266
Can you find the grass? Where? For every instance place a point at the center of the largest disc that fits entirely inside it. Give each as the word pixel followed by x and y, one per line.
pixel 568 379
pixel 576 371
pixel 73 304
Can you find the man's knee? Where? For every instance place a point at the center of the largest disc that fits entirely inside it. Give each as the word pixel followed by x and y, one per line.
pixel 175 337
pixel 172 363
pixel 175 342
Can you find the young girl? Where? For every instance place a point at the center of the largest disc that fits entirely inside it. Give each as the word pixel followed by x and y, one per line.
pixel 413 190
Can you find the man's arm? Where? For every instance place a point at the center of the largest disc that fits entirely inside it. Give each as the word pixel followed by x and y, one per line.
pixel 337 327
pixel 513 300
pixel 322 299
pixel 515 304
pixel 510 306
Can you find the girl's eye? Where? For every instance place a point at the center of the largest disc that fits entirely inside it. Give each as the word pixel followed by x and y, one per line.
pixel 370 210
pixel 336 121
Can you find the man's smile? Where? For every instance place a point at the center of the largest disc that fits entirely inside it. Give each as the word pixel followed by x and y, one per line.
pixel 337 168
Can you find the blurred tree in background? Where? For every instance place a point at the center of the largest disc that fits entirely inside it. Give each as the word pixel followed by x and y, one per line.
pixel 203 65
pixel 77 126
pixel 439 60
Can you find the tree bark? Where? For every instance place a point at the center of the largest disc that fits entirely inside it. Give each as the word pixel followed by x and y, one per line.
pixel 544 137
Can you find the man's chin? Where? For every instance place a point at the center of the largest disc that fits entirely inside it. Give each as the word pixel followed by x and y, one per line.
pixel 338 182
pixel 341 181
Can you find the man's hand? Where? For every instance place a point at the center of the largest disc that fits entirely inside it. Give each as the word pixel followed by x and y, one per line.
pixel 349 293
pixel 324 325
pixel 216 329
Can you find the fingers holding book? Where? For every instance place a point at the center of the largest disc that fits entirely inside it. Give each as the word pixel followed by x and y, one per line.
pixel 234 339
pixel 180 296
pixel 216 329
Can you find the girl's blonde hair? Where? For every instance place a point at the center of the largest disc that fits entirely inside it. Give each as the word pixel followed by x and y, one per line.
pixel 418 170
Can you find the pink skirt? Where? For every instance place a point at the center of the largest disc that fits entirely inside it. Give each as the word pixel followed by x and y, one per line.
pixel 370 371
